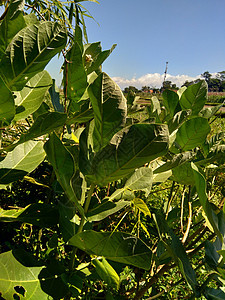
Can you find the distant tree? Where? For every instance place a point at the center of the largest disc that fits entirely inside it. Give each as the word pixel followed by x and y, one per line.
pixel 131 88
pixel 167 84
pixel 145 88
pixel 207 76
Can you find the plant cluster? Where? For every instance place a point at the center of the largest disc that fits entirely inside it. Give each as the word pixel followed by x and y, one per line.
pixel 102 199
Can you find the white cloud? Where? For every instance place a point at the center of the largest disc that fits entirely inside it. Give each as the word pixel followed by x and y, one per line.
pixel 152 80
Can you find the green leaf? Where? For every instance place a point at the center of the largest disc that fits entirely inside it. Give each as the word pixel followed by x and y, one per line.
pixel 55 97
pixel 12 23
pixel 30 51
pixel 209 112
pixel 32 95
pixel 109 106
pixel 142 206
pixel 177 160
pixel 117 246
pixel 7 105
pixel 67 211
pixel 194 97
pixel 104 209
pixel 214 294
pixel 106 272
pixel 83 116
pixel 155 109
pixel 77 78
pixel 192 133
pixel 39 214
pixel 142 143
pixel 64 167
pixel 52 280
pixel 175 248
pixel 94 56
pixel 178 119
pixel 15 274
pixel 170 100
pixel 200 184
pixel 183 174
pixel 141 180
pixel 31 19
pixel 44 124
pixel 22 160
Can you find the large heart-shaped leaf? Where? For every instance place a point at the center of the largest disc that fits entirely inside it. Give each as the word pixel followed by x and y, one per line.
pixel 192 133
pixel 29 99
pixel 142 143
pixel 194 97
pixel 30 51
pixel 109 106
pixel 117 246
pixel 22 160
pixel 14 274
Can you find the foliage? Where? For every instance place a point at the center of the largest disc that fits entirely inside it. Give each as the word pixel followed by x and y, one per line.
pixel 97 203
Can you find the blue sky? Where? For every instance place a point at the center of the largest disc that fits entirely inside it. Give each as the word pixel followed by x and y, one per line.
pixel 189 34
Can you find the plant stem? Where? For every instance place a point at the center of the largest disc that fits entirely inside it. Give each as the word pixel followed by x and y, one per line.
pixel 0 135
pixel 182 211
pixel 170 199
pixel 80 228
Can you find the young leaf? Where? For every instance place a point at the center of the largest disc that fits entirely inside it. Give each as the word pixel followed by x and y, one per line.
pixel 106 272
pixel 194 97
pixel 32 95
pixel 30 51
pixel 117 246
pixel 109 106
pixel 142 206
pixel 192 133
pixel 94 56
pixel 22 160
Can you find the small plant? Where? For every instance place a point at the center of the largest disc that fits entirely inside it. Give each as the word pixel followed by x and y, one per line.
pixel 122 209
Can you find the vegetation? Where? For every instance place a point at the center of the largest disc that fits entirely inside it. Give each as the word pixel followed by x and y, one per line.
pixel 102 198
